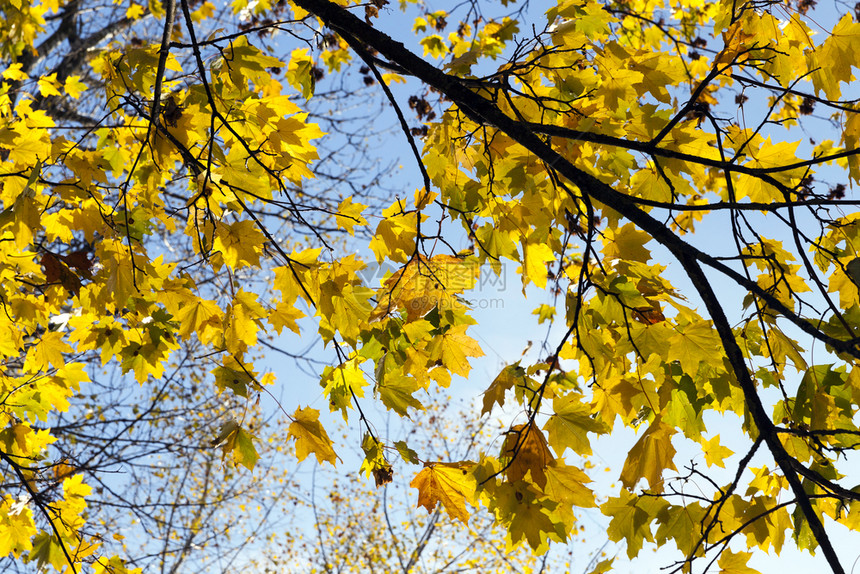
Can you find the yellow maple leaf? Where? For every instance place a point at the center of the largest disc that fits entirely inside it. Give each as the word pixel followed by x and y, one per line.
pixel 196 316
pixel 535 258
pixel 735 563
pixel 49 86
pixel 47 353
pixel 449 483
pixel 240 445
pixel 310 436
pixel 74 487
pixel 113 565
pixel 240 243
pixel 695 343
pixel 349 215
pixel 626 243
pixel 452 349
pixel 296 279
pixel 74 86
pixel 424 284
pixel 14 72
pixel 650 456
pixel 300 72
pixel 434 45
pixel 834 59
pixel 134 12
pixel 29 145
pixel 240 328
pixel 17 528
pixel 570 423
pixel 566 484
pixel 395 235
pixel 715 452
pixel 285 315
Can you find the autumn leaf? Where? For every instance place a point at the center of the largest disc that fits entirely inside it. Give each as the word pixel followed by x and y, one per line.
pixel 535 259
pixel 227 430
pixel 627 243
pixel 196 316
pixel 285 315
pixel 650 456
pixel 603 566
pixel 452 348
pixel 529 520
pixel 240 243
pixel 735 563
pixel 631 519
pixel 310 436
pixel 569 424
pixel 17 527
pixel 395 234
pixel 406 453
pixel 510 377
pixel 113 565
pixel 234 376
pixel 239 444
pixel 715 453
pixel 396 393
pixel 694 344
pixel 374 462
pixel 835 55
pixel 424 284
pixel 348 215
pixel 57 271
pixel 526 452
pixel 341 383
pixel 47 354
pixel 566 484
pixel 300 72
pixel 448 483
pixel 47 550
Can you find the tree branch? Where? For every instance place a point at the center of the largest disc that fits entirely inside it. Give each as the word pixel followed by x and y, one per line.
pixel 484 112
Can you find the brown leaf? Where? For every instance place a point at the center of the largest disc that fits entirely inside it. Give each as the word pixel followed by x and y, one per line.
pixel 57 272
pixel 530 452
pixel 80 261
pixel 383 475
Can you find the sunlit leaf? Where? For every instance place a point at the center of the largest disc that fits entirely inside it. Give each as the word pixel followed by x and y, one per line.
pixel 310 436
pixel 450 484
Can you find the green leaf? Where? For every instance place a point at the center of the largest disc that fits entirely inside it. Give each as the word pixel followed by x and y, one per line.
pixel 406 453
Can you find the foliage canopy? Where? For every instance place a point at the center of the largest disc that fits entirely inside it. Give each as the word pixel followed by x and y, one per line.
pixel 160 164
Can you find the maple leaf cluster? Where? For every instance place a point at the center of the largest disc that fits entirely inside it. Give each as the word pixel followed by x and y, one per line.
pixel 644 166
